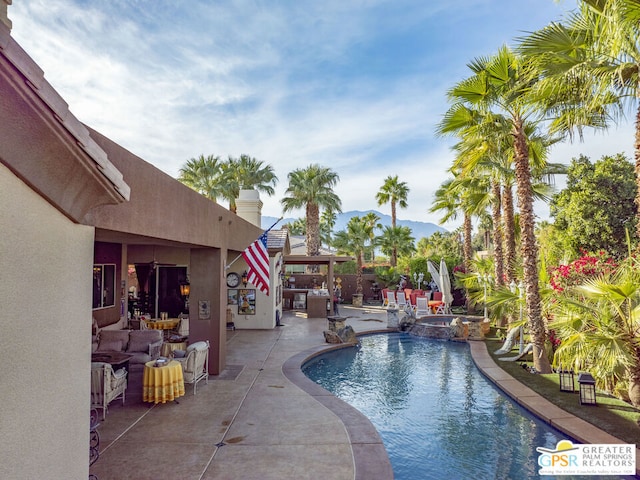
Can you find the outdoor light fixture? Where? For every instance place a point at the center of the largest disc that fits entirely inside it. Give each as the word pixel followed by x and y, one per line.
pixel 185 288
pixel 566 381
pixel 587 389
pixel 245 278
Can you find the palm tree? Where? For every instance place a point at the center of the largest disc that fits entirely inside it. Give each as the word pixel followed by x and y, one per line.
pixel 372 222
pixel 297 227
pixel 202 174
pixel 353 241
pixel 246 173
pixel 312 188
pixel 395 241
pixel 395 193
pixel 502 83
pixel 327 222
pixel 591 69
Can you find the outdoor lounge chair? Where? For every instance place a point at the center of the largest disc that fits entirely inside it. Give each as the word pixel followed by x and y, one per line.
pixel 422 307
pixel 195 363
pixel 106 385
pixel 391 298
pixel 402 300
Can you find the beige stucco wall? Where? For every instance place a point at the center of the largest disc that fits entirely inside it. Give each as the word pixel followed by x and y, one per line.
pixel 45 293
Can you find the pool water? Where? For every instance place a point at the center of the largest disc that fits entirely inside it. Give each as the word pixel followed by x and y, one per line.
pixel 437 415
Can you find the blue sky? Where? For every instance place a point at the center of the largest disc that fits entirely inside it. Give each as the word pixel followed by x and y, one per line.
pixel 357 86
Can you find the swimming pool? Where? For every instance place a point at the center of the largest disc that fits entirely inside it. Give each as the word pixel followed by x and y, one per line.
pixel 438 416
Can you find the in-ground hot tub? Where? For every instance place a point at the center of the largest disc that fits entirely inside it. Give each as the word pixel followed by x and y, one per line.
pixel 441 327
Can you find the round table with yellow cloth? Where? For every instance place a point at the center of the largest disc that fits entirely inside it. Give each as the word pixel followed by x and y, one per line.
pixel 169 347
pixel 162 324
pixel 162 384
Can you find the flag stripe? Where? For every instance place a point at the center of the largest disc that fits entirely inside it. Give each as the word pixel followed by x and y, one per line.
pixel 257 259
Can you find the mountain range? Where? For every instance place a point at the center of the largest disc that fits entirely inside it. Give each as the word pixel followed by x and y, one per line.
pixel 418 229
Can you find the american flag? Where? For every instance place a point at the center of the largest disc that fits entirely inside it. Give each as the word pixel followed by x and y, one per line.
pixel 257 259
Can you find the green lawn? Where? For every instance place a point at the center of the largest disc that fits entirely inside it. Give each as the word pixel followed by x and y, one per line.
pixel 610 414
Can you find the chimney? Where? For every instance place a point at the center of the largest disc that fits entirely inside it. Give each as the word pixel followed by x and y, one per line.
pixel 4 18
pixel 249 206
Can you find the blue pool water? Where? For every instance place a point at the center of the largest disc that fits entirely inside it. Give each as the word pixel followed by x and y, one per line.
pixel 438 416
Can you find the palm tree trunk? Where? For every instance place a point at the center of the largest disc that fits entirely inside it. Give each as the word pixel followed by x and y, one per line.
pixel 394 254
pixel 636 147
pixel 467 249
pixel 313 229
pixel 509 234
pixel 497 233
pixel 529 249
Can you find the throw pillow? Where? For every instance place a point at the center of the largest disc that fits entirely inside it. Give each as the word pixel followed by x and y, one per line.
pixel 179 353
pixel 110 345
pixel 138 345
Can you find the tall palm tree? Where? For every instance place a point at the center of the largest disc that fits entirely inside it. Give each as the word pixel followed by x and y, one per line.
pixel 202 174
pixel 502 83
pixel 395 193
pixel 246 173
pixel 311 188
pixel 395 241
pixel 353 241
pixel 590 66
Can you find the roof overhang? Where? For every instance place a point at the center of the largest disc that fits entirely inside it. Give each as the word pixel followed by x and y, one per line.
pixel 45 145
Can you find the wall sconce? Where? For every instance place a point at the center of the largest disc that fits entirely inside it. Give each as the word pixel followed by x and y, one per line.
pixel 185 288
pixel 566 381
pixel 587 389
pixel 245 278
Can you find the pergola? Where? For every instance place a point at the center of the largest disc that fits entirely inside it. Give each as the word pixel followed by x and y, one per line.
pixel 329 260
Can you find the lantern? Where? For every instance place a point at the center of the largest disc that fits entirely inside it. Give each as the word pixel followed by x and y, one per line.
pixel 587 389
pixel 245 278
pixel 566 381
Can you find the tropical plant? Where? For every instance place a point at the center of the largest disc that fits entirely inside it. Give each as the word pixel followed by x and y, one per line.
pixel 353 241
pixel 245 173
pixel 297 227
pixel 501 83
pixel 395 241
pixel 395 193
pixel 598 324
pixel 327 222
pixel 590 66
pixel 311 188
pixel 202 174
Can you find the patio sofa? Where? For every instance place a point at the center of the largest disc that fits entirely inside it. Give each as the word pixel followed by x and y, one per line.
pixel 143 345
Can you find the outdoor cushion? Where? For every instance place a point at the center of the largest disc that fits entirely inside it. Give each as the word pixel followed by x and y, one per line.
pixel 110 346
pixel 139 340
pixel 114 335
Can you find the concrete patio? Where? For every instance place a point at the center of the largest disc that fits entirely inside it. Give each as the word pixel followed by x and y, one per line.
pixel 263 419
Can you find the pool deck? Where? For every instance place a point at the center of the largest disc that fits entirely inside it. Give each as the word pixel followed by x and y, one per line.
pixel 262 419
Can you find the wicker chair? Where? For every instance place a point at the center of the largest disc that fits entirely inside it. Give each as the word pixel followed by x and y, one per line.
pixel 106 385
pixel 195 363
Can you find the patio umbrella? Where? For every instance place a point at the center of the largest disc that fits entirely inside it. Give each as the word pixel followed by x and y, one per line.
pixel 434 273
pixel 445 285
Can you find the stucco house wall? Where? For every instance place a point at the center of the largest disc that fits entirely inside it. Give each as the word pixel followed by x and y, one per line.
pixel 46 336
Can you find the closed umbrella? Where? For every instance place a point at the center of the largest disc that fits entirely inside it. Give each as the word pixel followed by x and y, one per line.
pixel 434 273
pixel 445 286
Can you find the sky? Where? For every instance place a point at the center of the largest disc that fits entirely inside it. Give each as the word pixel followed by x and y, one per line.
pixel 354 85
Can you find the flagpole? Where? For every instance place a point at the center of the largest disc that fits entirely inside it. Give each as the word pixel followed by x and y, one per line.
pixel 235 259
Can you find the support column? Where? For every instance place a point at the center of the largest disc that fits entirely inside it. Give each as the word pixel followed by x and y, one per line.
pixel 207 304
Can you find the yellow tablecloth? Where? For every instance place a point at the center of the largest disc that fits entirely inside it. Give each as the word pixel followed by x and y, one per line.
pixel 162 384
pixel 162 324
pixel 168 347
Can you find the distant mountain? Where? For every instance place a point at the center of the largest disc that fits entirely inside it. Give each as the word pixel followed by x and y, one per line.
pixel 418 229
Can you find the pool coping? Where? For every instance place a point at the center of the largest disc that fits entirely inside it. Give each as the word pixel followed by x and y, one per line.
pixel 370 456
pixel 581 430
